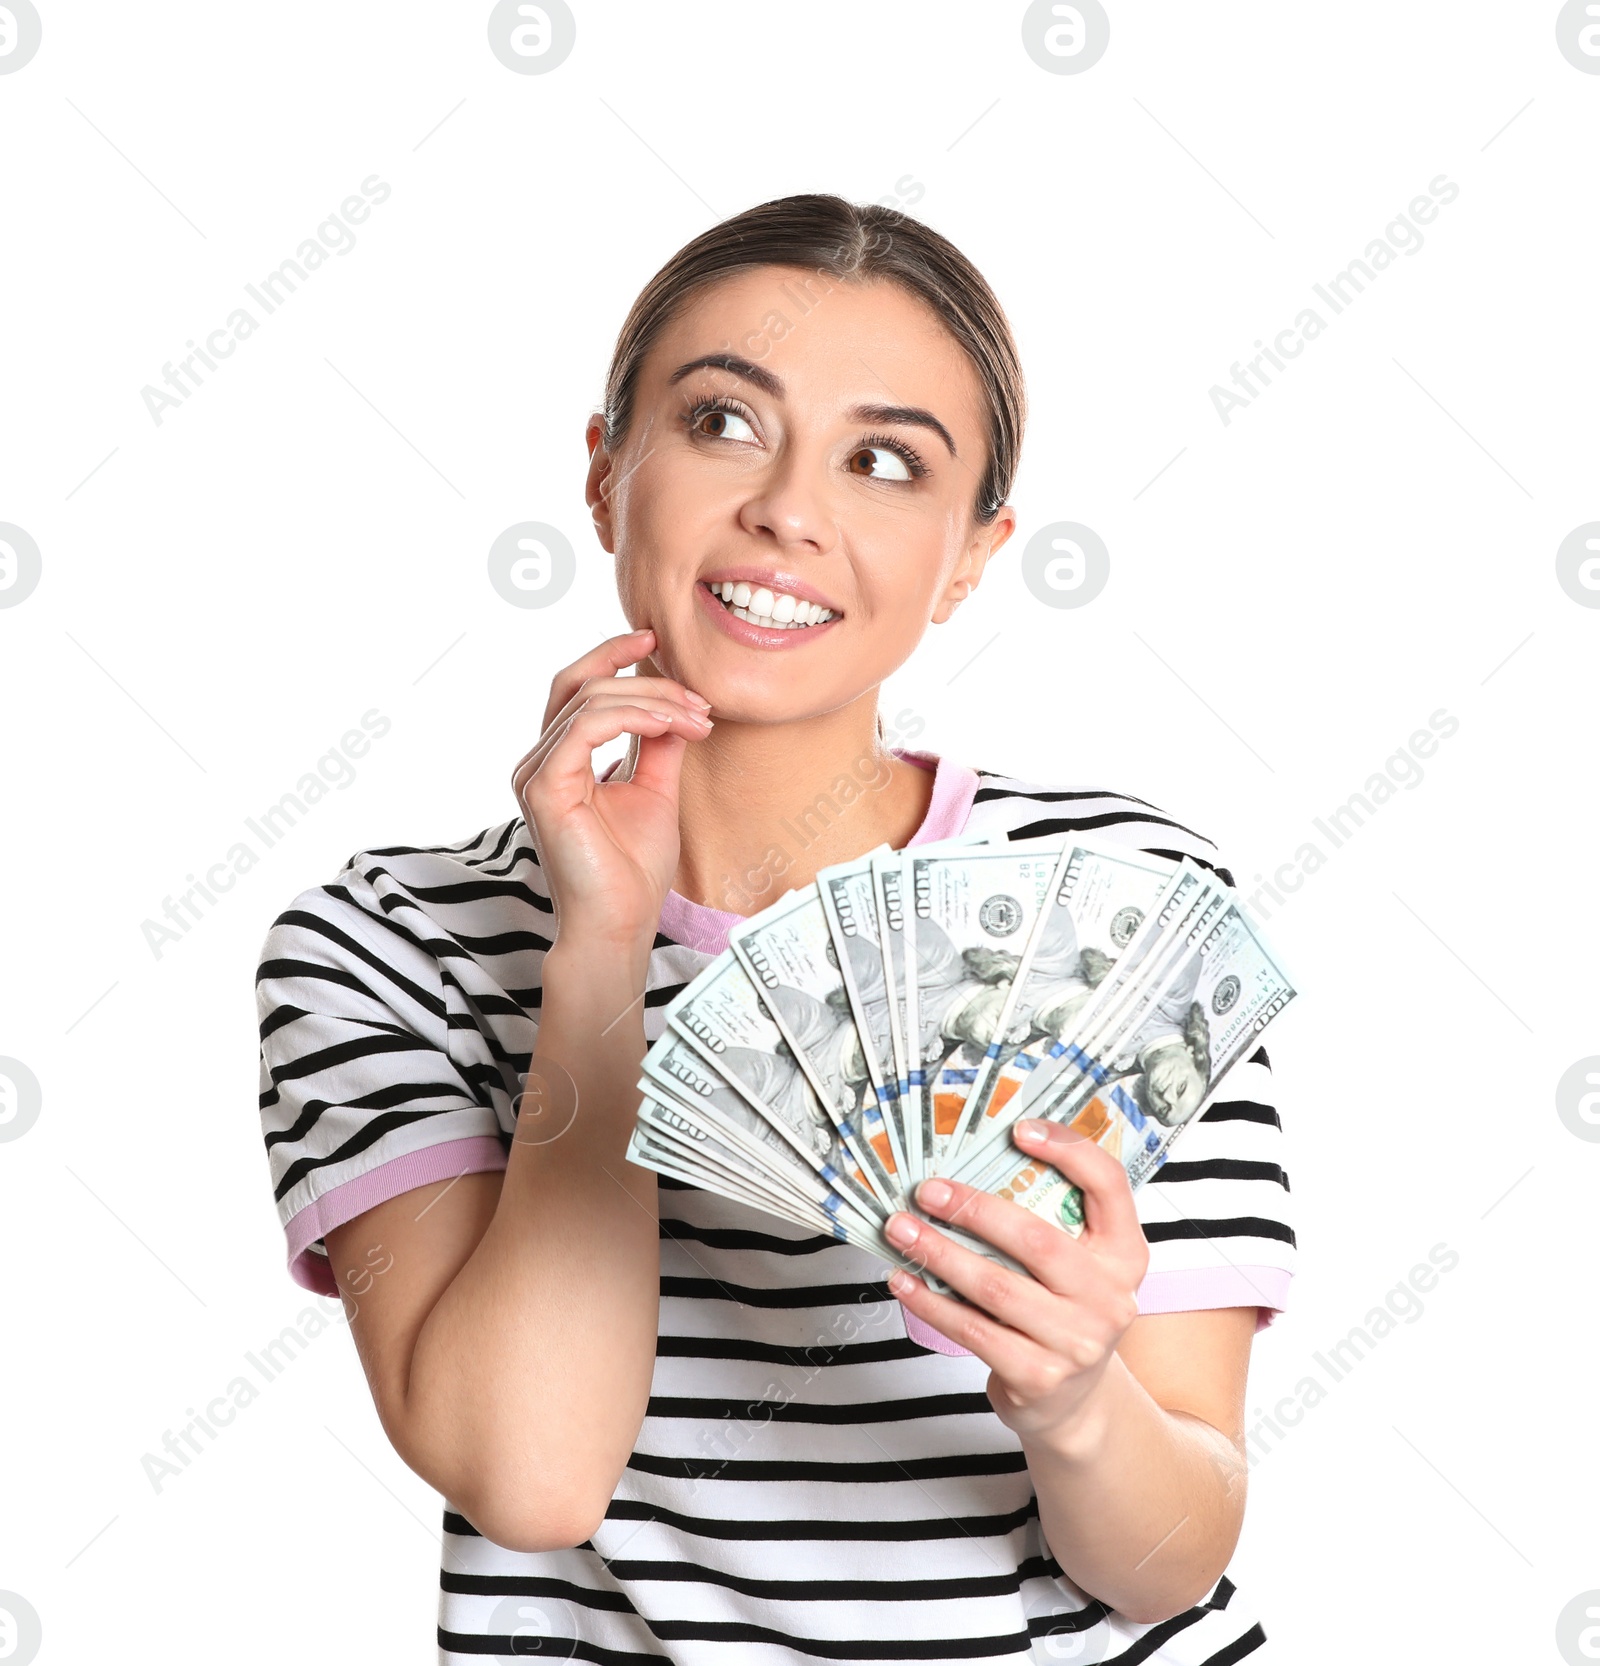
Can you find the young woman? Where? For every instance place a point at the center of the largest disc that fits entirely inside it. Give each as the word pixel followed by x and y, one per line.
pixel 667 1426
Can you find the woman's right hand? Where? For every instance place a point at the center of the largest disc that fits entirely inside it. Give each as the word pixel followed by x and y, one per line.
pixel 609 850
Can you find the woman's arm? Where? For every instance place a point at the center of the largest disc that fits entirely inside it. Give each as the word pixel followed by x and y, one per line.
pixel 510 1341
pixel 1132 1427
pixel 1142 1500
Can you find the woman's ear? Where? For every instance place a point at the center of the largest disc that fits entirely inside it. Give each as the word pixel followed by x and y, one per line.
pixel 596 488
pixel 969 570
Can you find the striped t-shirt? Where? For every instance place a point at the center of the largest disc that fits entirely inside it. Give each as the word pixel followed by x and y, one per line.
pixel 810 1482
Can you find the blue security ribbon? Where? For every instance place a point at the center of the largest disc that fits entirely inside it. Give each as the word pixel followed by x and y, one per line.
pixel 1087 1065
pixel 1127 1106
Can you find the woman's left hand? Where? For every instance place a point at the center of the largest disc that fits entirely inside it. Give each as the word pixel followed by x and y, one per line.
pixel 1047 1340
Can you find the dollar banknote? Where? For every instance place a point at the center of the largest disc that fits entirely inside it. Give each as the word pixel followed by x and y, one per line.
pixel 679 1070
pixel 1161 1069
pixel 661 1141
pixel 846 893
pixel 722 1015
pixel 1022 1081
pixel 681 1126
pixel 888 895
pixel 1128 1009
pixel 894 1018
pixel 790 957
pixel 1100 896
pixel 971 913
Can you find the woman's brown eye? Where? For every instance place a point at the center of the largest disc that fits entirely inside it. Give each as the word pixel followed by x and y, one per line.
pixel 897 469
pixel 727 425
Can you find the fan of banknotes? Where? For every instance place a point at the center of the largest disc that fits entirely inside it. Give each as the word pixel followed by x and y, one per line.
pixel 893 1019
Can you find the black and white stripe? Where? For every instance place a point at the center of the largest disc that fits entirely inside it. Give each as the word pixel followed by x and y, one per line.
pixel 808 1484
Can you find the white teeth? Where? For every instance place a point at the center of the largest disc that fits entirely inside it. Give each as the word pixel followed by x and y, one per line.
pixel 776 610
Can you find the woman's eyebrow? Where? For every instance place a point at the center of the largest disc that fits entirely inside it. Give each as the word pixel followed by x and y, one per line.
pixel 912 415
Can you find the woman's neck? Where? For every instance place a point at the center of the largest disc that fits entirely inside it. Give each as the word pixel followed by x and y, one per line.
pixel 761 810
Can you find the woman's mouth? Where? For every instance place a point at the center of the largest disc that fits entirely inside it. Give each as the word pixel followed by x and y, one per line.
pixel 769 609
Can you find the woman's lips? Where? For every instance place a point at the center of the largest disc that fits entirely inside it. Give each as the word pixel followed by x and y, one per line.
pixel 755 636
pixel 778 582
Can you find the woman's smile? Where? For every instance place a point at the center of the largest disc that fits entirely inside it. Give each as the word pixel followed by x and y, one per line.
pixel 763 592
pixel 765 618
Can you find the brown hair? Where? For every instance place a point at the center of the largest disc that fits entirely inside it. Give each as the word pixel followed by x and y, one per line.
pixel 853 242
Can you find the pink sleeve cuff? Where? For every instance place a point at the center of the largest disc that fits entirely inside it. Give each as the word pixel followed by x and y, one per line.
pixel 1185 1291
pixel 308 1265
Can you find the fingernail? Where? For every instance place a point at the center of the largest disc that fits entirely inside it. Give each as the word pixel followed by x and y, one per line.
pixel 699 699
pixel 900 1282
pixel 934 1193
pixel 901 1230
pixel 1030 1132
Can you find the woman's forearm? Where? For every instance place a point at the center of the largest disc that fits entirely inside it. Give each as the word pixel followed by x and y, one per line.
pixel 535 1364
pixel 1142 1507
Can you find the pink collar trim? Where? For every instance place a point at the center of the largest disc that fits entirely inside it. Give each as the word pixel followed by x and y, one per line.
pixel 696 926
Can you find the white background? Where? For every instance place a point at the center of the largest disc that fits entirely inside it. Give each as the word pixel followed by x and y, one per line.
pixel 1292 594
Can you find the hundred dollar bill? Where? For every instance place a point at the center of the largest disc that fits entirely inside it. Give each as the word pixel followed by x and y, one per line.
pixel 1126 1011
pixel 1239 986
pixel 652 1151
pixel 658 1145
pixel 1137 1099
pixel 891 899
pixel 790 958
pixel 722 1015
pixel 1100 896
pixel 684 1125
pixel 971 913
pixel 680 1127
pixel 1136 1001
pixel 654 1148
pixel 846 890
pixel 888 895
pixel 676 1069
pixel 1154 942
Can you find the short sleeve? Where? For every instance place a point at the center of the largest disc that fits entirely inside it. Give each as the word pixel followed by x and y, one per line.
pixel 360 1098
pixel 1216 1214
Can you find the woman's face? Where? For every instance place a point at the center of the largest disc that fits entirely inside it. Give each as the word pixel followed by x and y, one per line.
pixel 834 457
